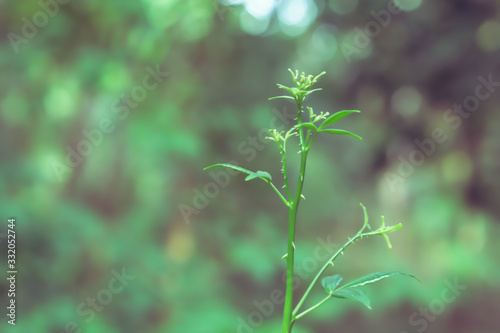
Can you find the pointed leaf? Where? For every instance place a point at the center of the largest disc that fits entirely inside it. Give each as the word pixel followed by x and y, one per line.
pixel 259 174
pixel 289 97
pixel 251 175
pixel 371 278
pixel 336 117
pixel 353 294
pixel 307 125
pixel 311 91
pixel 331 282
pixel 290 90
pixel 366 217
pixel 230 166
pixel 339 132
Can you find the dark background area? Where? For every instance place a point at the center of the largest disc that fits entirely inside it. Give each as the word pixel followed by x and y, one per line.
pixel 109 111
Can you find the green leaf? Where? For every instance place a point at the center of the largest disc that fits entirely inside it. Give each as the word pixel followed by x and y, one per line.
pixel 307 125
pixel 289 97
pixel 339 132
pixel 331 282
pixel 290 90
pixel 259 174
pixel 353 294
pixel 251 175
pixel 311 91
pixel 366 217
pixel 336 117
pixel 374 277
pixel 230 166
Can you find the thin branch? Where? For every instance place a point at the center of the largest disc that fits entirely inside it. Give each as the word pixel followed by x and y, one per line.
pixel 279 193
pixel 313 307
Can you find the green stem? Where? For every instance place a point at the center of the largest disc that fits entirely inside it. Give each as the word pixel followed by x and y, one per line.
pixel 285 172
pixel 279 193
pixel 287 314
pixel 288 317
pixel 325 266
pixel 301 130
pixel 359 234
pixel 314 307
pixel 312 140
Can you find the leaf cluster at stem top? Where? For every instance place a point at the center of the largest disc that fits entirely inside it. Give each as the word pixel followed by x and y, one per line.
pixel 302 87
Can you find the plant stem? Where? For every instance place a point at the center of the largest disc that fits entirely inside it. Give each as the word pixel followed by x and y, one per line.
pixel 285 172
pixel 288 317
pixel 314 307
pixel 287 311
pixel 279 194
pixel 360 235
pixel 325 266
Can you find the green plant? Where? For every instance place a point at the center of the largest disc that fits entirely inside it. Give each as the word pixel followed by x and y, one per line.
pixel 307 132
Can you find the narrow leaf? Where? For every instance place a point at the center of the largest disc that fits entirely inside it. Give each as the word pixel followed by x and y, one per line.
pixel 311 91
pixel 230 166
pixel 289 97
pixel 366 217
pixel 353 294
pixel 336 117
pixel 290 90
pixel 374 277
pixel 251 175
pixel 339 132
pixel 307 125
pixel 331 282
pixel 259 174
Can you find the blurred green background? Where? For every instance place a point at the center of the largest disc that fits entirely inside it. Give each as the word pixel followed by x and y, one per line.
pixel 109 110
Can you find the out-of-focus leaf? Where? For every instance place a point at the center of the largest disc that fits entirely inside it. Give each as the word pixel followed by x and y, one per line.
pixel 340 132
pixel 353 294
pixel 374 277
pixel 336 117
pixel 259 174
pixel 307 125
pixel 331 282
pixel 230 166
pixel 251 175
pixel 288 97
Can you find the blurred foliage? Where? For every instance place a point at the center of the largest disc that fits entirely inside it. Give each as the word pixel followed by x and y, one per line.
pixel 73 72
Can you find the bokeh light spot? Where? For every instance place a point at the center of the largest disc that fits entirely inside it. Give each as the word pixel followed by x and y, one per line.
pixel 487 36
pixel 351 49
pixel 323 42
pixel 407 101
pixel 252 25
pixel 343 7
pixel 115 77
pixel 260 8
pixel 180 245
pixel 408 5
pixel 296 15
pixel 60 101
pixel 292 12
pixel 456 167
